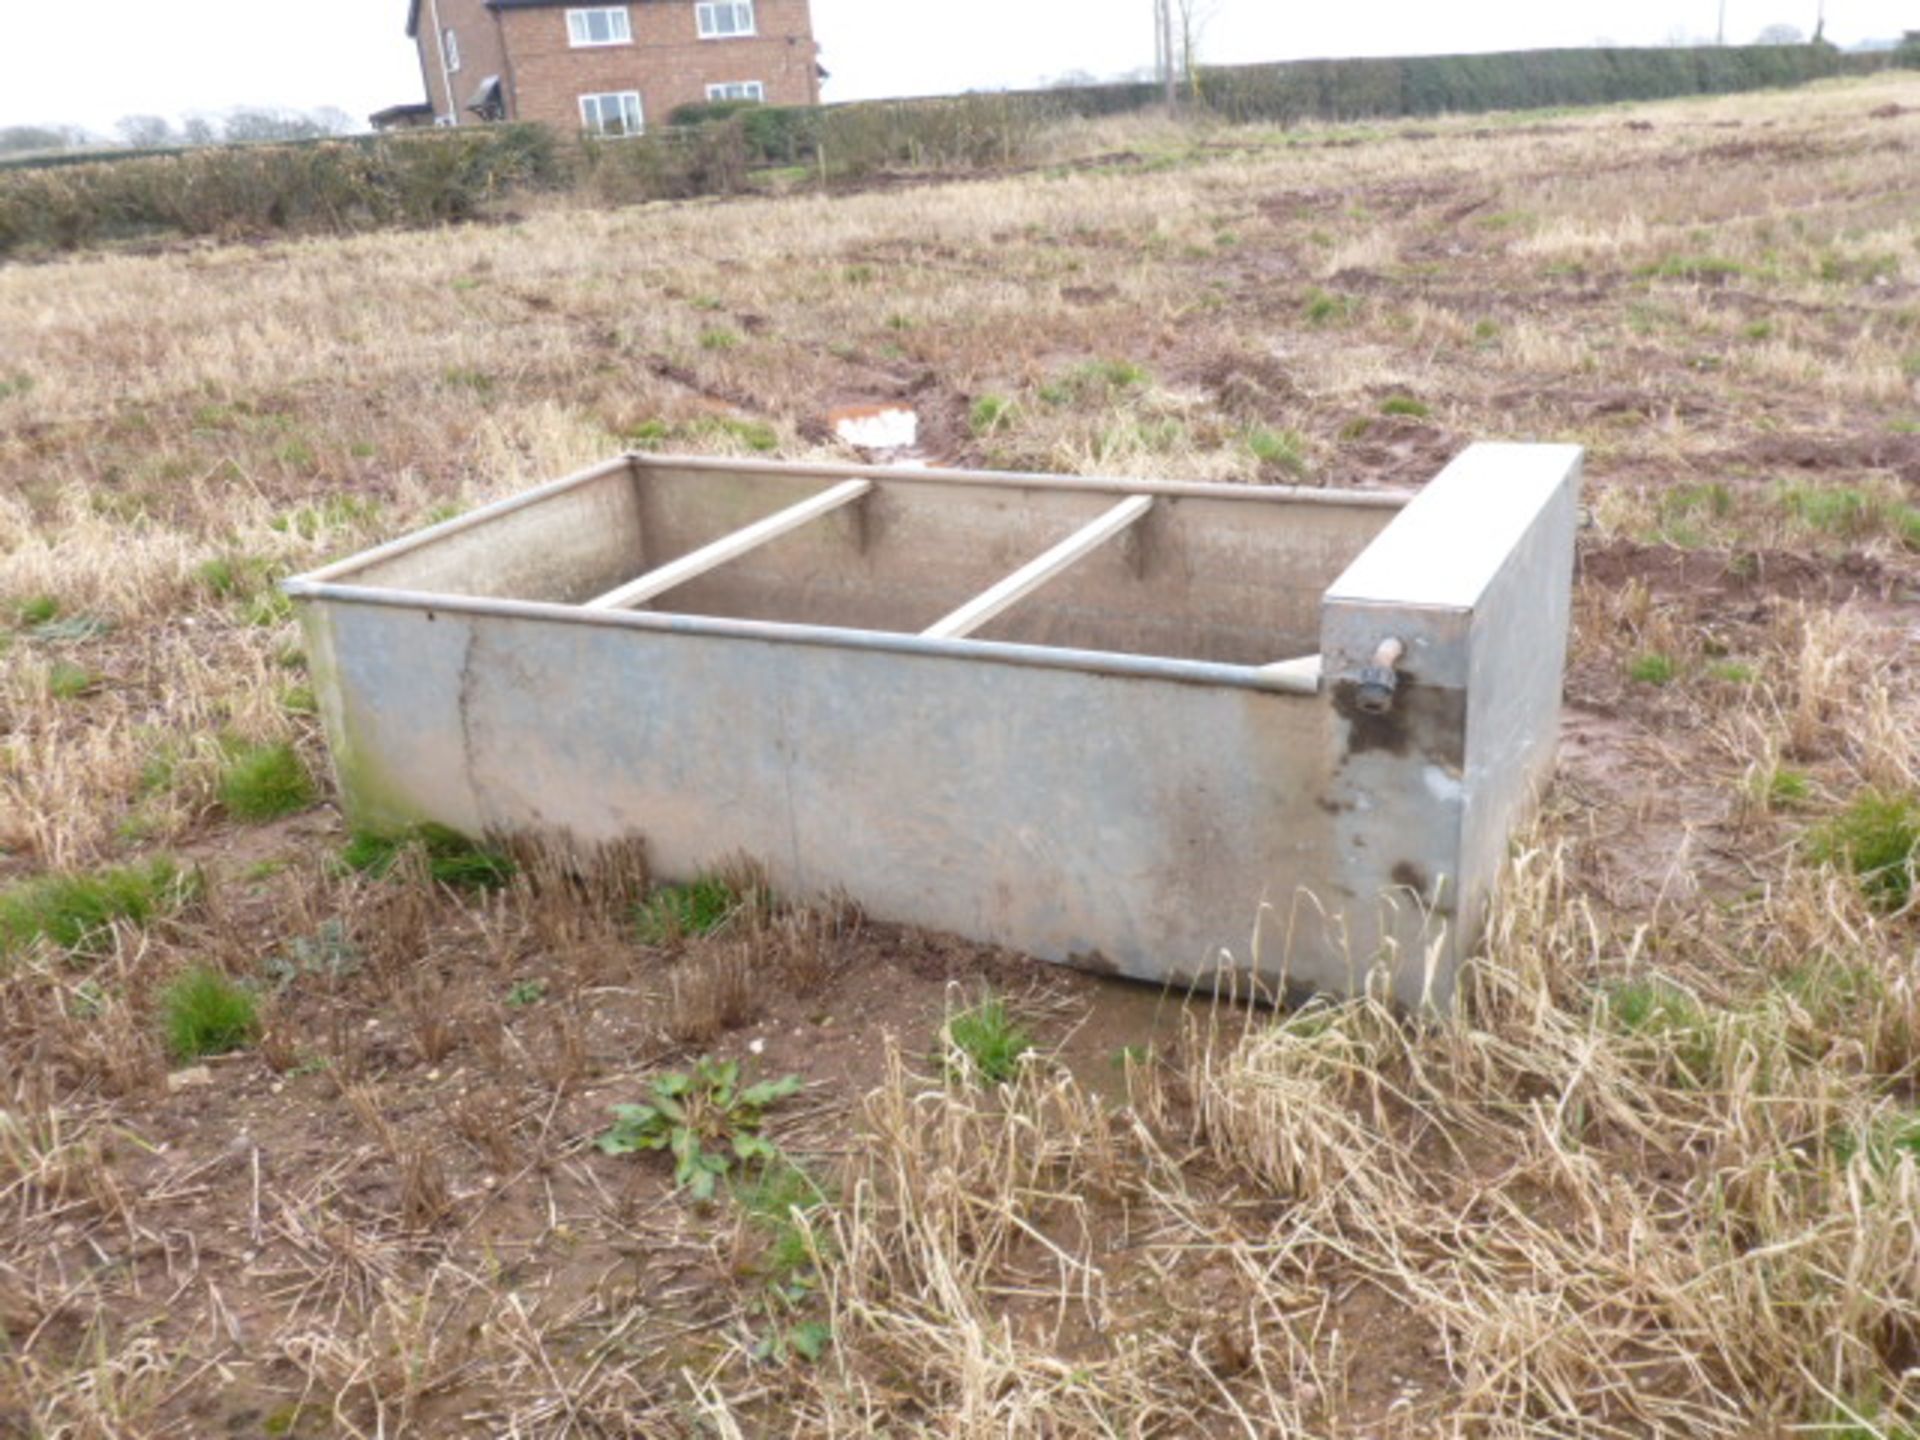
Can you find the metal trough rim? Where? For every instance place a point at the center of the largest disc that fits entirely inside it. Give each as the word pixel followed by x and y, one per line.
pixel 879 474
pixel 333 582
pixel 1036 657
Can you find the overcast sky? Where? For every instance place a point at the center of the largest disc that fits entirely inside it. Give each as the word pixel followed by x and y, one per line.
pixel 90 64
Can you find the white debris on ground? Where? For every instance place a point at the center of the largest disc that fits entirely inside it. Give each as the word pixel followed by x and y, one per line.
pixel 887 432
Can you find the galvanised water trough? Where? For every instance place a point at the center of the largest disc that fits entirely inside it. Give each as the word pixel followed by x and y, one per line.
pixel 1153 729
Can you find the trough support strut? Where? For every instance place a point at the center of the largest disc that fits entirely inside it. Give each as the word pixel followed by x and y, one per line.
pixel 1035 573
pixel 636 593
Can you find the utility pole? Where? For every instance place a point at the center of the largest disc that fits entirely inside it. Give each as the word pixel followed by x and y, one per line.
pixel 1720 38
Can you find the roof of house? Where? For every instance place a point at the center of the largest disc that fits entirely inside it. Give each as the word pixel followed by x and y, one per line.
pixel 413 9
pixel 412 110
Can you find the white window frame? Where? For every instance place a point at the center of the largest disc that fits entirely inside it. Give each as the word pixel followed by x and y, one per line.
pixel 579 21
pixel 707 14
pixel 450 49
pixel 752 90
pixel 594 121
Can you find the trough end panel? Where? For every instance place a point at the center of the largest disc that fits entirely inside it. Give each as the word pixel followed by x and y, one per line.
pixel 1442 552
pixel 564 548
pixel 1517 676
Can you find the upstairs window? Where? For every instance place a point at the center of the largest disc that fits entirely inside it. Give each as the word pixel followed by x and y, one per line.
pixel 737 90
pixel 607 25
pixel 617 113
pixel 724 19
pixel 450 49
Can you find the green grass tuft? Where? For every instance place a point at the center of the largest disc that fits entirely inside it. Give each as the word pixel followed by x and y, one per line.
pixel 71 629
pixel 38 610
pixel 1282 449
pixel 219 576
pixel 646 434
pixel 1692 267
pixel 1405 405
pixel 264 782
pixel 460 377
pixel 68 681
pixel 989 415
pixel 1325 308
pixel 1851 513
pixel 268 609
pixel 756 435
pixel 1653 668
pixel 1658 1010
pixel 232 577
pixel 1683 506
pixel 986 1041
pixel 769 1201
pixel 1885 1142
pixel 202 1012
pixel 74 910
pixel 336 512
pixel 1877 838
pixel 451 858
pixel 1097 381
pixel 1788 788
pixel 674 912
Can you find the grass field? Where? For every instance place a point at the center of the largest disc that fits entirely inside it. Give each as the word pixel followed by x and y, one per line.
pixel 304 1135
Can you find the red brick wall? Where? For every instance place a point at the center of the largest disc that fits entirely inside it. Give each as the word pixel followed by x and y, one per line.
pixel 668 62
pixel 480 52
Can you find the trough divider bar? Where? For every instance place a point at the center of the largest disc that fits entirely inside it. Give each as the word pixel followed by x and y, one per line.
pixel 1035 573
pixel 730 547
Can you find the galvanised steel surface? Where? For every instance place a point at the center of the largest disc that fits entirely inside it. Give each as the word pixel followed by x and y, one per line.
pixel 1144 738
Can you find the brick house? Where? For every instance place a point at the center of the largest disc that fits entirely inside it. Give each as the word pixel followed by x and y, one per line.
pixel 610 69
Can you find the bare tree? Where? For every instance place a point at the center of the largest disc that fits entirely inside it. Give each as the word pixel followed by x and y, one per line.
pixel 1178 28
pixel 29 139
pixel 143 132
pixel 249 124
pixel 334 121
pixel 1163 50
pixel 1194 16
pixel 1781 35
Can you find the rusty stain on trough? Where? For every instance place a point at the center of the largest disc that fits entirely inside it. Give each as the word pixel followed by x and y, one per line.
pixel 1112 723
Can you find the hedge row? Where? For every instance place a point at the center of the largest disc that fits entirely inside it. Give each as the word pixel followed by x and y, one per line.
pixel 402 180
pixel 1523 80
pixel 1339 90
pixel 430 177
pixel 434 176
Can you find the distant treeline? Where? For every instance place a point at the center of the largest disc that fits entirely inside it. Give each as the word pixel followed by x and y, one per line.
pixel 40 145
pixel 428 177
